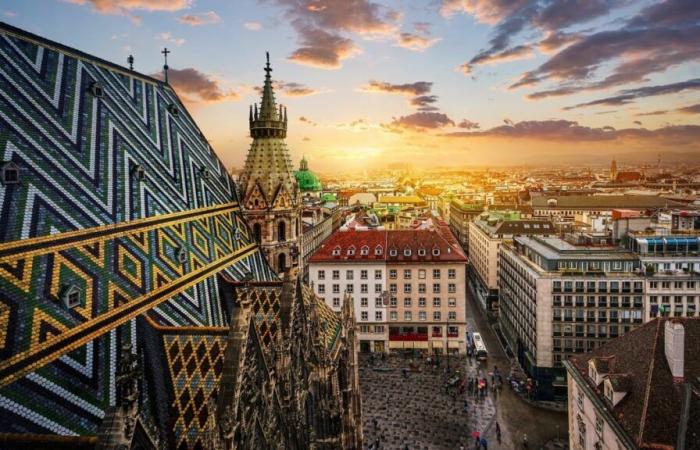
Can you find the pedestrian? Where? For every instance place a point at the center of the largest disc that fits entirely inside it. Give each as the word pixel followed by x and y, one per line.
pixel 376 443
pixel 375 423
pixel 525 441
pixel 484 444
pixel 476 435
pixel 466 405
pixel 405 447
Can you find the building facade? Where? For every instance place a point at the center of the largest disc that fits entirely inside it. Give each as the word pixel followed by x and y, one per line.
pixel 268 188
pixel 639 391
pixel 559 299
pixel 461 214
pixel 408 286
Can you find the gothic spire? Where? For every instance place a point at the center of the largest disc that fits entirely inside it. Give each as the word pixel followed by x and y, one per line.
pixel 268 108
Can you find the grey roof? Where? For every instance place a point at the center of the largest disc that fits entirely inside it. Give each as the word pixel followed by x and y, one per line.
pixel 605 201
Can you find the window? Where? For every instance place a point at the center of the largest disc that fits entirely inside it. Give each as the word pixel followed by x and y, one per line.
pixel 421 302
pixel 421 252
pixel 71 296
pixel 379 328
pixel 407 274
pixel 436 273
pixel 349 274
pixel 436 302
pixel 393 288
pixel 378 302
pixel 364 315
pixel 350 288
pixel 378 315
pixel 321 274
pixel 336 289
pixel 392 302
pixel 421 288
pixel 9 173
pixel 336 274
pixel 336 302
pixel 436 288
pixel 392 274
pixel 378 250
pixel 364 288
pixel 407 302
pixel 451 273
pixel 364 250
pixel 363 302
pixel 452 302
pixel 421 274
pixel 407 252
pixel 321 288
pixel 407 288
pixel 436 252
pixel 599 424
pixel 351 250
pixel 407 315
pixel 363 274
pixel 364 328
pixel 421 315
pixel 393 252
pixel 452 288
pixel 436 315
pixel 378 288
pixel 393 315
pixel 378 274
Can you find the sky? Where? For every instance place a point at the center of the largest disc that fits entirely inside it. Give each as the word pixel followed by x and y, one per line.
pixel 429 83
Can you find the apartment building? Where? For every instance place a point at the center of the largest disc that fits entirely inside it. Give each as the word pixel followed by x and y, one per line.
pixel 566 207
pixel 639 391
pixel 461 214
pixel 486 233
pixel 408 286
pixel 558 298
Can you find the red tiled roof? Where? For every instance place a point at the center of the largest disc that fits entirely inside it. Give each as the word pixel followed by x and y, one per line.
pixel 440 239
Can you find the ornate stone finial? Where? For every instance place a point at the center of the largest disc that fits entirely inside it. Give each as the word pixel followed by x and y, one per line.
pixel 268 69
pixel 165 65
pixel 130 61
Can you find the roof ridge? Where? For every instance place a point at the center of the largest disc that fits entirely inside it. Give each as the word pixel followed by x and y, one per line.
pixel 647 391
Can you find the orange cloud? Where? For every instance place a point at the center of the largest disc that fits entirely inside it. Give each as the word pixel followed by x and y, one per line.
pixel 195 20
pixel 383 87
pixel 196 87
pixel 322 49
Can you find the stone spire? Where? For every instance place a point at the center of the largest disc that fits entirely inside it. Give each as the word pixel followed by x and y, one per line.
pixel 269 121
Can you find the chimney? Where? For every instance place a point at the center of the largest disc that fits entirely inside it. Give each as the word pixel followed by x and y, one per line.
pixel 674 335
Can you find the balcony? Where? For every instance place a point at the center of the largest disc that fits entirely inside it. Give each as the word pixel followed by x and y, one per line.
pixel 436 335
pixel 452 335
pixel 408 337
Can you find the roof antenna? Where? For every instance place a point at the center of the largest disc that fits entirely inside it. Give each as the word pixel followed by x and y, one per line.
pixel 130 60
pixel 165 66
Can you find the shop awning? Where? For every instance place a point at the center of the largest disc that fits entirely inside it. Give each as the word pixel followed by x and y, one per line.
pixel 453 344
pixel 437 344
pixel 417 344
pixel 396 344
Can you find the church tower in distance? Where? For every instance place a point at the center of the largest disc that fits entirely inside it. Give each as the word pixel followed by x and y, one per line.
pixel 269 193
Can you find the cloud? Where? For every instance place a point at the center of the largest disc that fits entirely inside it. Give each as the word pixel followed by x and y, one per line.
pixel 629 95
pixel 319 24
pixel 468 124
pixel 125 7
pixel 292 89
pixel 418 41
pixel 307 121
pixel 322 49
pixel 383 87
pixel 357 125
pixel 424 102
pixel 570 131
pixel 9 14
pixel 556 40
pixel 419 121
pixel 306 139
pixel 168 37
pixel 253 26
pixel 652 113
pixel 205 18
pixel 637 122
pixel 196 87
pixel 692 109
pixel 511 54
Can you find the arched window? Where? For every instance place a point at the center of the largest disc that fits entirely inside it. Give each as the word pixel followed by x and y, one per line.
pixel 257 232
pixel 281 262
pixel 281 231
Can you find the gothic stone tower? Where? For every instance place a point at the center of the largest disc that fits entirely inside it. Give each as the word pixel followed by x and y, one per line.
pixel 269 191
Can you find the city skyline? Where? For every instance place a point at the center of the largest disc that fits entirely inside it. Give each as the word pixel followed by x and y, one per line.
pixel 472 83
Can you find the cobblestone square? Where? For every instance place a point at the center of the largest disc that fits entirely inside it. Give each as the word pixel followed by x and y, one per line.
pixel 415 411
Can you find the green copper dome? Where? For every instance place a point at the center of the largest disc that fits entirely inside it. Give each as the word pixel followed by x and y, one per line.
pixel 306 179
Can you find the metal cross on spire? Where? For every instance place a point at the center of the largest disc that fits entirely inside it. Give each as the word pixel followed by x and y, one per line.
pixel 268 69
pixel 165 66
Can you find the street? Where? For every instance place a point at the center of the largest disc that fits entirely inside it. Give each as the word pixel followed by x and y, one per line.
pixel 515 416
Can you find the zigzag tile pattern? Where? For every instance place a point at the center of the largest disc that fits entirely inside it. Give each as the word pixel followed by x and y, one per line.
pixel 91 163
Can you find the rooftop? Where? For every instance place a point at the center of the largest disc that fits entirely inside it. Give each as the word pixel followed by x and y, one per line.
pixel 604 201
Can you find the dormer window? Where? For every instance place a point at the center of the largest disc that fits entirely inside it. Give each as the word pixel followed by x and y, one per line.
pixel 139 172
pixel 609 392
pixel 9 173
pixel 436 252
pixel 592 373
pixel 181 255
pixel 71 296
pixel 351 250
pixel 364 251
pixel 174 110
pixel 407 252
pixel 205 173
pixel 421 252
pixel 336 251
pixel 393 252
pixel 378 250
pixel 96 89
